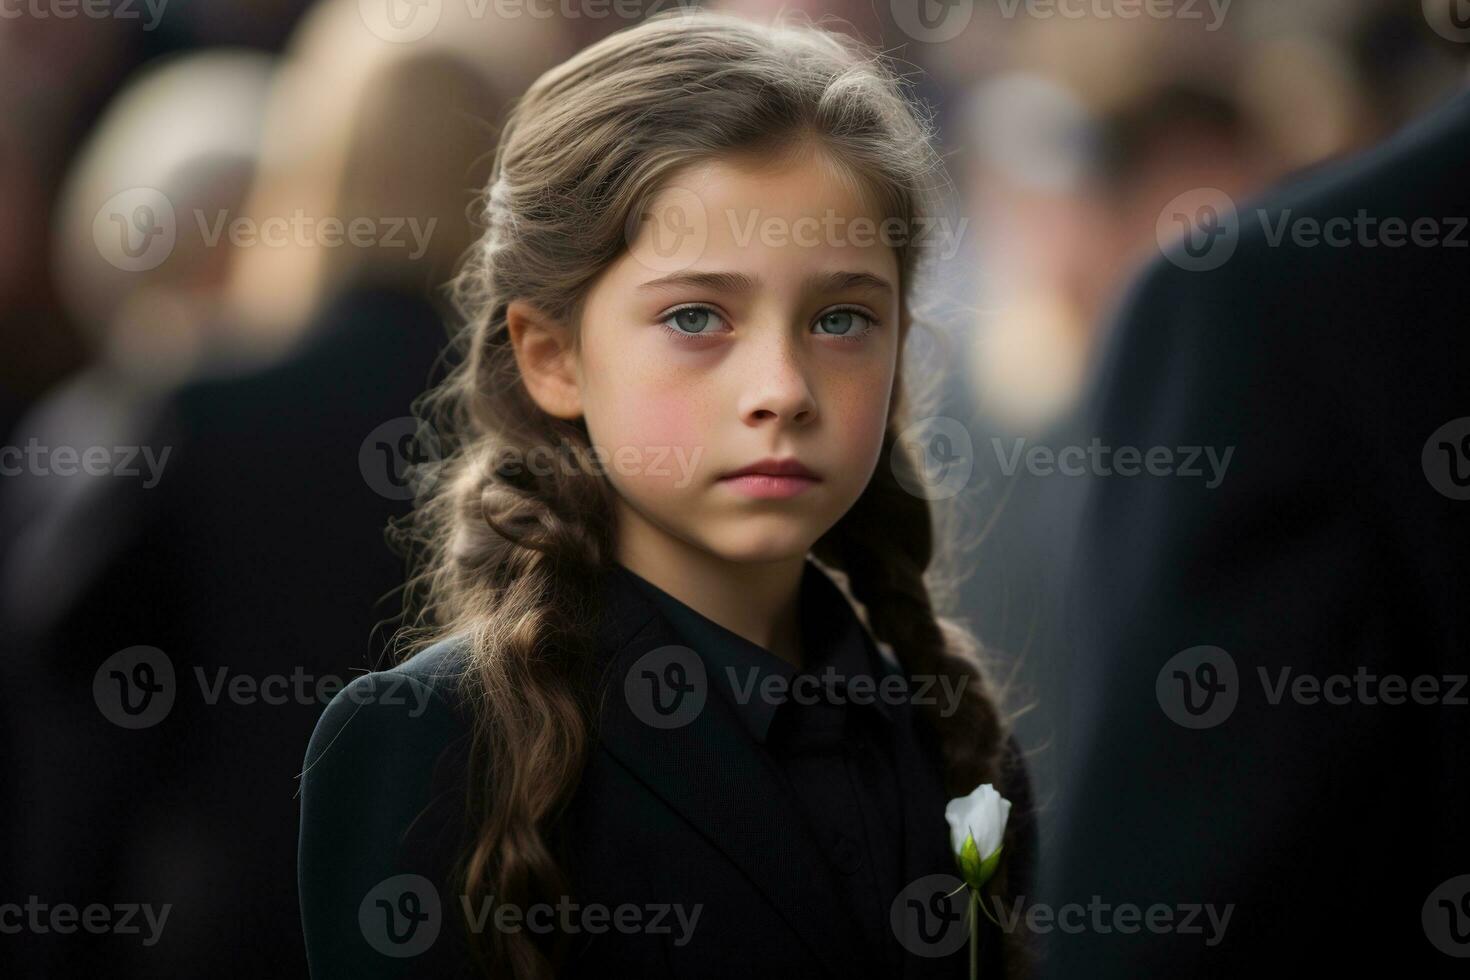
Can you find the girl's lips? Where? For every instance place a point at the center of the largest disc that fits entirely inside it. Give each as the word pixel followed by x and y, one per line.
pixel 770 466
pixel 767 486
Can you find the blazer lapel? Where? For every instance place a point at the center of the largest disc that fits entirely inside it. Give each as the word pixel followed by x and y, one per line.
pixel 926 833
pixel 710 772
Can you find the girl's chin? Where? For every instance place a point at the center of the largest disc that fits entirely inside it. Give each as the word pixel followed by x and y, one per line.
pixel 766 543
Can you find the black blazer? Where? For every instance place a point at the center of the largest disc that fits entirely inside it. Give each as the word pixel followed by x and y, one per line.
pixel 684 817
pixel 1332 544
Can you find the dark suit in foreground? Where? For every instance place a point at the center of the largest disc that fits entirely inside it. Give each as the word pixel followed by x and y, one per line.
pixel 1324 814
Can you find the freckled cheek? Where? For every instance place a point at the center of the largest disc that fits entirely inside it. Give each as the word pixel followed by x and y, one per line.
pixel 858 407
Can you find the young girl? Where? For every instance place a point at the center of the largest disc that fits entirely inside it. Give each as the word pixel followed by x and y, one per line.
pixel 645 731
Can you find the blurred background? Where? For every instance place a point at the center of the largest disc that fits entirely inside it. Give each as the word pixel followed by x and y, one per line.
pixel 223 232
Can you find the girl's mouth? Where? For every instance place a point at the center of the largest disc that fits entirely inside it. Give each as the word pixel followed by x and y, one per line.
pixel 769 485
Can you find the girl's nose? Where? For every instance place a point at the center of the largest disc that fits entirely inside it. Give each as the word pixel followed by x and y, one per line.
pixel 777 388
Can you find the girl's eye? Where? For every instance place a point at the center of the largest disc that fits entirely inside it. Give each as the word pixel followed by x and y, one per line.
pixel 692 321
pixel 702 321
pixel 845 324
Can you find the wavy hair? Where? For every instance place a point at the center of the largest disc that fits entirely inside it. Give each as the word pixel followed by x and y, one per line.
pixel 510 561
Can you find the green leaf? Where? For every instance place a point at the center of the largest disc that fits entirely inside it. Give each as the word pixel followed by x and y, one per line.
pixel 973 869
pixel 969 861
pixel 987 868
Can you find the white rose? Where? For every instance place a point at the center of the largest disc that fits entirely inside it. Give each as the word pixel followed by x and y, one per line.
pixel 977 825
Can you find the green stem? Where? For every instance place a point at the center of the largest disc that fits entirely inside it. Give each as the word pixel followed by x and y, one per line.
pixel 974 936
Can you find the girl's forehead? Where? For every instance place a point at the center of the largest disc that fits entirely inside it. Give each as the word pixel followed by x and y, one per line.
pixel 783 224
pixel 804 181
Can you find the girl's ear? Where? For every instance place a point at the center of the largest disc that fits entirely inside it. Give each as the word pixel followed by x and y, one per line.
pixel 546 358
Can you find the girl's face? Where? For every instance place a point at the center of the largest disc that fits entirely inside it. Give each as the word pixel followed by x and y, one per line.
pixel 753 318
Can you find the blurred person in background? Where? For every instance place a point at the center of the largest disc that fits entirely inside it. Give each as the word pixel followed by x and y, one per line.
pixel 252 567
pixel 1269 680
pixel 1085 128
pixel 49 75
pixel 53 75
pixel 187 128
pixel 141 279
pixel 1074 138
pixel 60 67
pixel 1078 133
pixel 33 349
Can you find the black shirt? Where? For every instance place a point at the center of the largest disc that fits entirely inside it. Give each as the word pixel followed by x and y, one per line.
pixel 829 730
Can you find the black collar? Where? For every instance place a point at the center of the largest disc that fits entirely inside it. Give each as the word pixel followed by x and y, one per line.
pixel 837 647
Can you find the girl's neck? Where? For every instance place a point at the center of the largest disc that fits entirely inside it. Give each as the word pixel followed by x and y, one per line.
pixel 754 600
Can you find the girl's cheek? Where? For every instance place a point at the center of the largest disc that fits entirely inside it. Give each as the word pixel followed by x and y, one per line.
pixel 862 404
pixel 660 432
pixel 662 415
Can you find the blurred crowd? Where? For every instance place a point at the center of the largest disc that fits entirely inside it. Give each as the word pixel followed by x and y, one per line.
pixel 224 235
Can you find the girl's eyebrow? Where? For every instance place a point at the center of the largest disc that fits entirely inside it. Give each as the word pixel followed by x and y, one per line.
pixel 738 282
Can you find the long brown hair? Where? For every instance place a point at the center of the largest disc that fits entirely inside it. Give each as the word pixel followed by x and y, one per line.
pixel 510 561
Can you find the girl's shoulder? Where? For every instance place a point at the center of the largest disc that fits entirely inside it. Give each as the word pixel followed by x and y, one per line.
pixel 382 806
pixel 415 704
